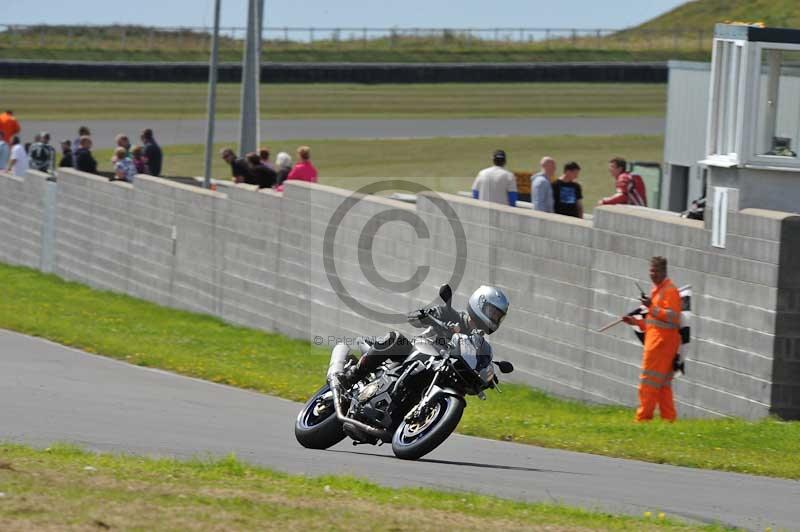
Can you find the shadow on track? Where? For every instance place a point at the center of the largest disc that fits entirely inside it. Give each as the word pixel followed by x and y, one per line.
pixel 463 464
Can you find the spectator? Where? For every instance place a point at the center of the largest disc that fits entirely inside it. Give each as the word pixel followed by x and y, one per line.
pixel 84 160
pixel 567 194
pixel 124 169
pixel 542 185
pixel 67 160
pixel 83 131
pixel 303 170
pixel 18 161
pixel 284 162
pixel 630 190
pixel 121 141
pixel 263 154
pixel 43 155
pixel 9 125
pixel 496 184
pixel 137 155
pixel 239 170
pixel 4 151
pixel 152 152
pixel 260 174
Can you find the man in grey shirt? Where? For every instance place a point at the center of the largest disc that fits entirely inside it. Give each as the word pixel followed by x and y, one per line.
pixel 541 186
pixel 496 184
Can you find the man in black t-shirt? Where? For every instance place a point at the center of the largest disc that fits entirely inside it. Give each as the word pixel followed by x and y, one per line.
pixel 567 194
pixel 84 160
pixel 239 169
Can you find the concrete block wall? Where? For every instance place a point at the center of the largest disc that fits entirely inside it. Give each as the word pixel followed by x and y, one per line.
pixel 93 230
pixel 257 258
pixel 22 217
pixel 248 231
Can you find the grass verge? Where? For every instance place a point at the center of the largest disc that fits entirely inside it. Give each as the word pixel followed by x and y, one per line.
pixel 85 100
pixel 64 487
pixel 142 333
pixel 687 46
pixel 443 164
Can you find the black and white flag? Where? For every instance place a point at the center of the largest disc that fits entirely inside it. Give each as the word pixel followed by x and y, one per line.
pixel 686 322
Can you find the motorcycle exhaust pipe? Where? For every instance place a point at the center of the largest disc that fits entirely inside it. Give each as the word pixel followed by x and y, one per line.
pixel 338 358
pixel 378 433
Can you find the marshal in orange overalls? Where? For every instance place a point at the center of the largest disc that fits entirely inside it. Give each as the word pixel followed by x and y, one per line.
pixel 662 340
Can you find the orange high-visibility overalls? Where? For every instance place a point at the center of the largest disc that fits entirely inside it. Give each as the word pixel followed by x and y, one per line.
pixel 662 340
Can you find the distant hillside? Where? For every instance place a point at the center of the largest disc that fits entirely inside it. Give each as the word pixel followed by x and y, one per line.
pixel 701 15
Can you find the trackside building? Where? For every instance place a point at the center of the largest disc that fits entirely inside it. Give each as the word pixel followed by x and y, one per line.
pixel 735 122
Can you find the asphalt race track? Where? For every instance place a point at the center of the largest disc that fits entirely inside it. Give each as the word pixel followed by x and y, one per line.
pixel 51 393
pixel 194 131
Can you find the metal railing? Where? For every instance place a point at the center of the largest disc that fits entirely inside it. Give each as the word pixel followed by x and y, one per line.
pixel 199 37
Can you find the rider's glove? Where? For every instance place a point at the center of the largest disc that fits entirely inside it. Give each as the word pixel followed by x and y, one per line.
pixel 417 317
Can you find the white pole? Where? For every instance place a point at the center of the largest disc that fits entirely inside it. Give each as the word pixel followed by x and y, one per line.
pixel 251 73
pixel 212 97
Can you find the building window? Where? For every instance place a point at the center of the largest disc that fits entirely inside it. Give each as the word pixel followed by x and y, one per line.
pixel 778 105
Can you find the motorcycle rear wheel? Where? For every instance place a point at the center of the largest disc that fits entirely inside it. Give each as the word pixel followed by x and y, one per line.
pixel 317 426
pixel 416 439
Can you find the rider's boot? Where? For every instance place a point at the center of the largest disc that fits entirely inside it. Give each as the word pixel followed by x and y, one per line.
pixel 368 363
pixel 348 377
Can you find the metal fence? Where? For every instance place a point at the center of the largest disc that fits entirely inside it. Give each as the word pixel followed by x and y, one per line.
pixel 198 38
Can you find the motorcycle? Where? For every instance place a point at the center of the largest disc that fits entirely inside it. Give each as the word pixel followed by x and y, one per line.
pixel 414 399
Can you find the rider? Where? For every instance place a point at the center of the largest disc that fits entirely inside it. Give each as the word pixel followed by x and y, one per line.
pixel 486 308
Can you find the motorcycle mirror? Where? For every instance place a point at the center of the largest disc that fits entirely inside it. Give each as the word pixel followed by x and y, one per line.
pixel 446 293
pixel 505 367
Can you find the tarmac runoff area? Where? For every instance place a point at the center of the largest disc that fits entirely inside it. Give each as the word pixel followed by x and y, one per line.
pixel 193 131
pixel 53 393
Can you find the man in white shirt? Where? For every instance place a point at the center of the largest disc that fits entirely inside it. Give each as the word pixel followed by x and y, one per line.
pixel 4 151
pixel 18 162
pixel 496 184
pixel 542 186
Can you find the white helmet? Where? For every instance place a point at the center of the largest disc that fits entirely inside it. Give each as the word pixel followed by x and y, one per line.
pixel 487 307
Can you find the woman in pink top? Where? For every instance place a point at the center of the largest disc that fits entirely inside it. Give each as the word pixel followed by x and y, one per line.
pixel 303 170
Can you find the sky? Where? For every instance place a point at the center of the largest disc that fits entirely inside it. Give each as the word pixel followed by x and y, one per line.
pixel 611 14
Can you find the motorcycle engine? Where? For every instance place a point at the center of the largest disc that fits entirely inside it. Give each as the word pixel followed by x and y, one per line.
pixel 369 390
pixel 372 403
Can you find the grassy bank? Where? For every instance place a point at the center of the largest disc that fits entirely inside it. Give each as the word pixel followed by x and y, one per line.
pixel 115 43
pixel 443 164
pixel 591 50
pixel 145 334
pixel 63 487
pixel 83 100
pixel 703 14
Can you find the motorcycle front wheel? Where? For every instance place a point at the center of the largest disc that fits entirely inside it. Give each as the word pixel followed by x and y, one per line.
pixel 418 437
pixel 317 426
